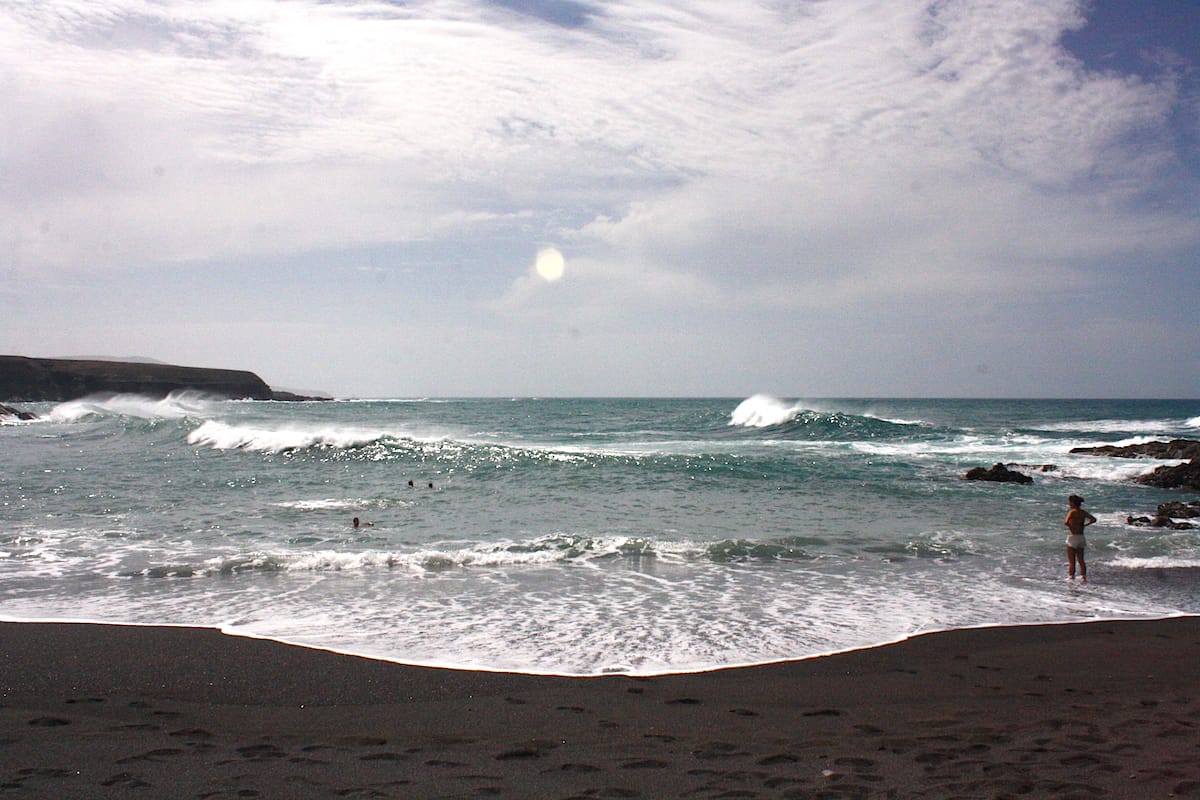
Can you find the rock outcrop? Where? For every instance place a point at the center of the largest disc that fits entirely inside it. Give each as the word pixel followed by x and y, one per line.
pixel 9 411
pixel 1158 522
pixel 998 473
pixel 1179 510
pixel 54 379
pixel 1168 515
pixel 1176 448
pixel 1181 476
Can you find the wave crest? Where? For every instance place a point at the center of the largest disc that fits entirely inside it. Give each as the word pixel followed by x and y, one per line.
pixel 223 436
pixel 763 411
pixel 176 405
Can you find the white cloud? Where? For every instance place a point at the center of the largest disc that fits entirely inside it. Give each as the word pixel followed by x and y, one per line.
pixel 712 155
pixel 408 113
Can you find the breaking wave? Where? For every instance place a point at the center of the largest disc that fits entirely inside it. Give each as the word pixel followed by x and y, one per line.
pixel 764 411
pixel 177 405
pixel 223 436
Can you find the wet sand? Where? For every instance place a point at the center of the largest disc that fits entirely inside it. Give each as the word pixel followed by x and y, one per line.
pixel 1105 709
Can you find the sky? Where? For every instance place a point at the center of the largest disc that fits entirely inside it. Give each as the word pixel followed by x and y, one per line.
pixel 803 198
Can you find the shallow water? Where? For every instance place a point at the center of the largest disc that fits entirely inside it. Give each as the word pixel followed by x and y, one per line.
pixel 582 536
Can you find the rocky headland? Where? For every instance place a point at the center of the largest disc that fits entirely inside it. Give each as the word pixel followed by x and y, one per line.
pixel 56 379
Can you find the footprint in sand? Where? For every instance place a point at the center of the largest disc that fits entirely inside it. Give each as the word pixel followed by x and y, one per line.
pixel 260 752
pixel 45 772
pixel 127 780
pixel 527 751
pixel 824 712
pixel 715 750
pixel 152 755
pixel 360 741
pixel 581 768
pixel 778 758
pixel 383 757
pixel 191 733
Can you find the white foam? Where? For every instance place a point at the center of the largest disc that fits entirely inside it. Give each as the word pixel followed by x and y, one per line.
pixel 322 505
pixel 763 411
pixel 1149 427
pixel 176 405
pixel 1154 562
pixel 554 549
pixel 1110 470
pixel 223 436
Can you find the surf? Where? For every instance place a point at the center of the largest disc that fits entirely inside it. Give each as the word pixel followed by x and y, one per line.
pixel 177 405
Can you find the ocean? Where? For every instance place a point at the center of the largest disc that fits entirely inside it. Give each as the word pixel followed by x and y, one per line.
pixel 583 536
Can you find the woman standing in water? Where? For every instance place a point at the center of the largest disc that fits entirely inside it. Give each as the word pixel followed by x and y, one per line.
pixel 1077 520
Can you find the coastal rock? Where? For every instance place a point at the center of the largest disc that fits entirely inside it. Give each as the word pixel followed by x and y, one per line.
pixel 1181 476
pixel 292 397
pixel 56 379
pixel 1179 510
pixel 1158 521
pixel 998 473
pixel 1176 448
pixel 9 411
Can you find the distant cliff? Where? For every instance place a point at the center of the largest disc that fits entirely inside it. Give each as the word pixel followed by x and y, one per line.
pixel 56 379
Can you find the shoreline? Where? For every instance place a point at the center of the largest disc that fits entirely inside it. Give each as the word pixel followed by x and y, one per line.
pixel 235 633
pixel 1099 709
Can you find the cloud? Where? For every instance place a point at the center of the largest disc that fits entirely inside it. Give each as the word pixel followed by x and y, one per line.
pixel 704 157
pixel 404 114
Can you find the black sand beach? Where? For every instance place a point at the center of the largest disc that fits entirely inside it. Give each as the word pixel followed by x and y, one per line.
pixel 1105 709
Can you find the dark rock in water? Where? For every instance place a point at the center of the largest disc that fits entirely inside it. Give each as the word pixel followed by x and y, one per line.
pixel 292 397
pixel 1176 448
pixel 1181 476
pixel 53 379
pixel 999 473
pixel 1179 510
pixel 9 411
pixel 1158 521
pixel 1167 515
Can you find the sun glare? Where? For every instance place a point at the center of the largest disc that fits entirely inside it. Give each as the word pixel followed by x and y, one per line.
pixel 549 264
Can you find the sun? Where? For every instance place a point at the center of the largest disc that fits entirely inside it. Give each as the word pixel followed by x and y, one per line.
pixel 549 264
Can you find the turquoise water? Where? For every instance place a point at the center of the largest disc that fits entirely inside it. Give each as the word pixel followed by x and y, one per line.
pixel 582 536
